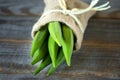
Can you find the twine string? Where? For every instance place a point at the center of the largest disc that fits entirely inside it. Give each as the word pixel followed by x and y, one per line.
pixel 73 12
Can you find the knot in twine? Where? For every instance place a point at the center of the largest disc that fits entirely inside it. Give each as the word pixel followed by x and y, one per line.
pixel 75 11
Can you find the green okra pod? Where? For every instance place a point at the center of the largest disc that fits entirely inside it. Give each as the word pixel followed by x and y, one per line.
pixel 53 50
pixel 55 32
pixel 59 61
pixel 40 53
pixel 45 62
pixel 39 39
pixel 67 43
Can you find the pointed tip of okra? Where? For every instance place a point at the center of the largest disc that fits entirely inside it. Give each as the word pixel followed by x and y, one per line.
pixel 32 62
pixel 35 74
pixel 54 64
pixel 68 61
pixel 50 70
pixel 69 64
pixel 49 73
pixel 37 71
pixel 59 43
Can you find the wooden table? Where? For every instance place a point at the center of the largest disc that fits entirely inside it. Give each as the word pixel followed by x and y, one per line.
pixel 98 59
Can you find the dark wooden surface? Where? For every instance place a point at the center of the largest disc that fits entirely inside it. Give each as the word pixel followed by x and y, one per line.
pixel 98 58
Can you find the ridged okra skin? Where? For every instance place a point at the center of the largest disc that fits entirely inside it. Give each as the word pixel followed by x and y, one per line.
pixel 52 45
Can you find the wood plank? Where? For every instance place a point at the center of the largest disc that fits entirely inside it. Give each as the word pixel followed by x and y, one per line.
pixel 90 62
pixel 35 8
pixel 98 58
pixel 24 25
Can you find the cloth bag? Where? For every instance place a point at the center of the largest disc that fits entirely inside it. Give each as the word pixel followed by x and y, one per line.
pixel 64 18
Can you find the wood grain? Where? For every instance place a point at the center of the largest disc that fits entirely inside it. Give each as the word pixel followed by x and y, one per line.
pixel 98 58
pixel 35 8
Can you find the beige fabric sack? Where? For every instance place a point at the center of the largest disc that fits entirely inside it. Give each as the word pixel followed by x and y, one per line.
pixel 68 20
